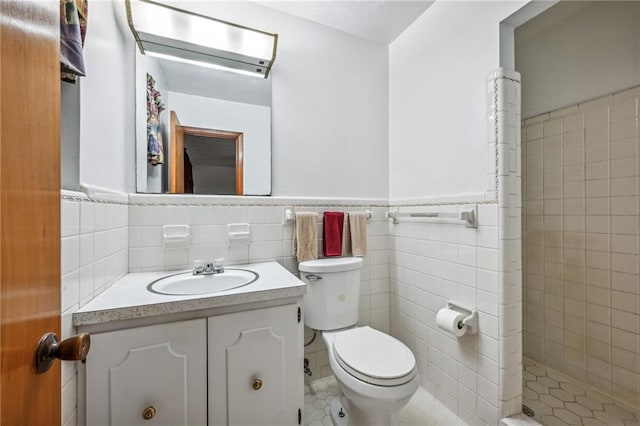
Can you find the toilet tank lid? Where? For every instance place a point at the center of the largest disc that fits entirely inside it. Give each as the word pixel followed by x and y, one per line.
pixel 331 264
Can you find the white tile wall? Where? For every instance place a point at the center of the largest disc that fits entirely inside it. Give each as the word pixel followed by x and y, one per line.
pixel 430 264
pixel 476 376
pixel 270 240
pixel 94 250
pixel 581 221
pixel 506 85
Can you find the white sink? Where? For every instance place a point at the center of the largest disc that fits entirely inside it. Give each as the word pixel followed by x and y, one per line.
pixel 185 283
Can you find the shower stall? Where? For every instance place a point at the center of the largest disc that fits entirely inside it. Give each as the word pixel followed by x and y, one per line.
pixel 580 259
pixel 580 66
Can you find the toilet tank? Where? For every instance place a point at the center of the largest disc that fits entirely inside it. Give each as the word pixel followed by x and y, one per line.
pixel 332 300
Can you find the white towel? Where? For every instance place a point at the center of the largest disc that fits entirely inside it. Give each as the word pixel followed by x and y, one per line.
pixel 358 231
pixel 305 236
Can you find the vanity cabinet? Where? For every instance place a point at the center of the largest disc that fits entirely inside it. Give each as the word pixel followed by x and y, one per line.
pixel 240 368
pixel 152 375
pixel 255 367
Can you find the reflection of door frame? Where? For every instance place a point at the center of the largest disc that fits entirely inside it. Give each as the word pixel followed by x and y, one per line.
pixel 177 152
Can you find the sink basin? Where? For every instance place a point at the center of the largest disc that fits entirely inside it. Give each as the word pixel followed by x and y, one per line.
pixel 185 283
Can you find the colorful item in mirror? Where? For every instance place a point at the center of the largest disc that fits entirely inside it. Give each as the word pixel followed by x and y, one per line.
pixel 155 149
pixel 73 27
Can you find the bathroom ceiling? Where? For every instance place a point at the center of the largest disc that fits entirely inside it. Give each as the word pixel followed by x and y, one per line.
pixel 380 21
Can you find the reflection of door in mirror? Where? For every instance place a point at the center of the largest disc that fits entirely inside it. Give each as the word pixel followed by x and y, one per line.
pixel 205 161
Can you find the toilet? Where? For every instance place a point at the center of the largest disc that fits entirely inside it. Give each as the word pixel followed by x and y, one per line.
pixel 376 373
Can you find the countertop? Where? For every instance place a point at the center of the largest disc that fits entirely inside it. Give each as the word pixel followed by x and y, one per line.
pixel 129 299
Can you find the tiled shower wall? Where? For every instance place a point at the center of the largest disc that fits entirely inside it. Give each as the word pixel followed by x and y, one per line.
pixel 581 245
pixel 94 250
pixel 271 238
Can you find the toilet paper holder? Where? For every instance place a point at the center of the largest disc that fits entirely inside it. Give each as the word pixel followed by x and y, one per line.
pixel 471 320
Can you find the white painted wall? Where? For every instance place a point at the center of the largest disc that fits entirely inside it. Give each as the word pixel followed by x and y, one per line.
pixel 438 72
pixel 70 135
pixel 252 120
pixel 107 132
pixel 580 52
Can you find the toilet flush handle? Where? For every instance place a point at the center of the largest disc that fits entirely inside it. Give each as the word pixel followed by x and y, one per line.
pixel 312 277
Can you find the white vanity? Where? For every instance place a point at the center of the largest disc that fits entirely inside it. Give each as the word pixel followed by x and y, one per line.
pixel 227 358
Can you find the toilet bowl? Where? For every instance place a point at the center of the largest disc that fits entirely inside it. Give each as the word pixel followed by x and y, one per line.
pixel 376 373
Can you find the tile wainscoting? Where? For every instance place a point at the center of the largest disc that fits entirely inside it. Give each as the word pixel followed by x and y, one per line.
pixel 270 240
pixel 478 377
pixel 94 255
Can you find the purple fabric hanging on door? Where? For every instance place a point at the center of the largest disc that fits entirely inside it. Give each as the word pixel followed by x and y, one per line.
pixel 73 28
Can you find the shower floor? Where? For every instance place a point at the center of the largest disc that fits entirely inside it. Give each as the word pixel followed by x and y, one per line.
pixel 559 400
pixel 422 410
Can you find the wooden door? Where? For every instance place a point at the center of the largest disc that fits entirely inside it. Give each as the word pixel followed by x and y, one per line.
pixel 29 208
pixel 176 160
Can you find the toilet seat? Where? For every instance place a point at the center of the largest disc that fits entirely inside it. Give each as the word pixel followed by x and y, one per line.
pixel 374 357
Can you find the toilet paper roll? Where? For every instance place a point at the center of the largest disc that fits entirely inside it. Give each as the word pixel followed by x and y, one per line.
pixel 451 321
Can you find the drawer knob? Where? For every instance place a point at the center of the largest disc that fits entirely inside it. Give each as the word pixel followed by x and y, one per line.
pixel 257 384
pixel 149 413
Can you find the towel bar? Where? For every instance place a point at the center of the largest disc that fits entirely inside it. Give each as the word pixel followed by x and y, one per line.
pixel 468 217
pixel 290 214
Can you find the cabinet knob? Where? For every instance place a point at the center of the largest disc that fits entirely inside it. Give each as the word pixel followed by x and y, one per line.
pixel 149 413
pixel 257 384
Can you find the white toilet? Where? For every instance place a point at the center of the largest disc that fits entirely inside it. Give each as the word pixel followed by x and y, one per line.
pixel 376 373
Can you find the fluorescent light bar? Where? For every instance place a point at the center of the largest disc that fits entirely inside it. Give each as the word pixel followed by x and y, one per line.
pixel 170 32
pixel 204 64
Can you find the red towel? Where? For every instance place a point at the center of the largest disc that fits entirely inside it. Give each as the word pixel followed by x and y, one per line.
pixel 332 236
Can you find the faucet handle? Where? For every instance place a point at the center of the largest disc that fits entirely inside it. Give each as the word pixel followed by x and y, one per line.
pixel 218 264
pixel 198 267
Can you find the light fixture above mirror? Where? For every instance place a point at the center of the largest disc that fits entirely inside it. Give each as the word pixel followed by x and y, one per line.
pixel 170 33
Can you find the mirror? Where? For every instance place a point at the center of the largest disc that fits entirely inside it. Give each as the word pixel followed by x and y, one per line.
pixel 221 138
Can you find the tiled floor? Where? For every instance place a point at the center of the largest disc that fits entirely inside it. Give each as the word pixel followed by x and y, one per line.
pixel 422 410
pixel 559 400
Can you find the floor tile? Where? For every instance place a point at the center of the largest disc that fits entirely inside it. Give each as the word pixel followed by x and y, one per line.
pixel 570 401
pixel 422 410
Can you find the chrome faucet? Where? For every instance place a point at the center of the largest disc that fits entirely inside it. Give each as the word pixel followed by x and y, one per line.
pixel 208 268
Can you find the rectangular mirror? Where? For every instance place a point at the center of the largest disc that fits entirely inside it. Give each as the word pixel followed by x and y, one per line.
pixel 214 126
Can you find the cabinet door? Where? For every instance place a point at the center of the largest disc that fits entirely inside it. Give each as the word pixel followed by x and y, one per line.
pixel 255 367
pixel 160 369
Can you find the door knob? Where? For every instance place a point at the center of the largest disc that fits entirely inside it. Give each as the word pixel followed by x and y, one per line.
pixel 49 348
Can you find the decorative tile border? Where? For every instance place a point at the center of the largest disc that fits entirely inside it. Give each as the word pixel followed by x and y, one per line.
pixel 114 198
pixel 250 201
